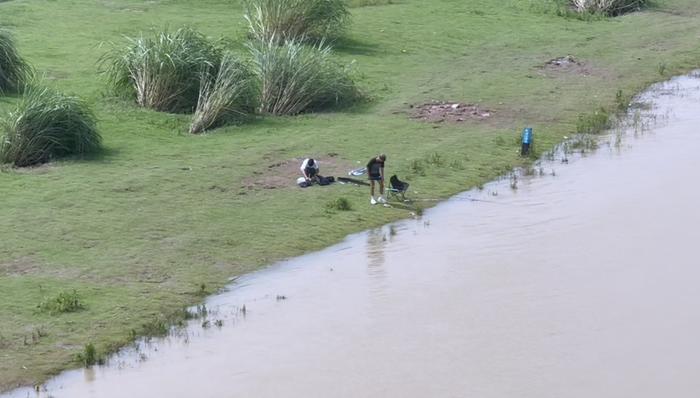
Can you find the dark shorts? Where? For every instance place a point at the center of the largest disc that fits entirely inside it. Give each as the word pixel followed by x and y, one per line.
pixel 375 177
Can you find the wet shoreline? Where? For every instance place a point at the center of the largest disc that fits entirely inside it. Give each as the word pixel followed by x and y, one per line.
pixel 567 280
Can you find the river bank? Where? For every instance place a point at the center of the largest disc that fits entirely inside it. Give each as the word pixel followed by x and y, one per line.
pixel 577 280
pixel 164 219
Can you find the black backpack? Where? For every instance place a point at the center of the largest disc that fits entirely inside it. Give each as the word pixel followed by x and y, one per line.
pixel 325 180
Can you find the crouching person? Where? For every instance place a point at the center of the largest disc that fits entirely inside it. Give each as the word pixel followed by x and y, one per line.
pixel 309 168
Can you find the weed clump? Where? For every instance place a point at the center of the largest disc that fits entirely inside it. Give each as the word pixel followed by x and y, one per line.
pixel 47 125
pixel 227 95
pixel 64 302
pixel 282 20
pixel 340 204
pixel 163 71
pixel 15 72
pixel 593 123
pixel 89 356
pixel 295 78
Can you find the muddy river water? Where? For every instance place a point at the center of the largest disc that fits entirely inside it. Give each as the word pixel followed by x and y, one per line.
pixel 582 282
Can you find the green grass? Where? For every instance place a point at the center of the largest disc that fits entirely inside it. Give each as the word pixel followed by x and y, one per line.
pixel 138 229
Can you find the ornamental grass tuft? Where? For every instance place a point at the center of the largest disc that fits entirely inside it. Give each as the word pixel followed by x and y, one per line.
pixel 162 71
pixel 47 125
pixel 608 7
pixel 294 78
pixel 15 72
pixel 282 20
pixel 225 97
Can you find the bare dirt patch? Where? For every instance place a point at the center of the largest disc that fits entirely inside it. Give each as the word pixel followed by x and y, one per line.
pixel 284 173
pixel 566 65
pixel 19 267
pixel 445 111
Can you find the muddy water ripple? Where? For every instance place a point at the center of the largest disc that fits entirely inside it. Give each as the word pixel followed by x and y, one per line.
pixel 582 282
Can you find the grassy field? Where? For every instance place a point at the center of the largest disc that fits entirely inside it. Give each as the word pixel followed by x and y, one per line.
pixel 161 218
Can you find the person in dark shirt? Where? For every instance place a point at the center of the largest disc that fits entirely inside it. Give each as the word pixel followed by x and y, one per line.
pixel 375 169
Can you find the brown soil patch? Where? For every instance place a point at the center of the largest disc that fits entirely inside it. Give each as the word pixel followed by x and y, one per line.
pixel 566 65
pixel 444 111
pixel 284 173
pixel 19 267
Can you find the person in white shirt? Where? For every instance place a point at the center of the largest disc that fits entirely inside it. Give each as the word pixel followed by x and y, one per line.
pixel 309 168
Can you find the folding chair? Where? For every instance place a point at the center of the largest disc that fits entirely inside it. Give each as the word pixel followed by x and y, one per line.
pixel 397 188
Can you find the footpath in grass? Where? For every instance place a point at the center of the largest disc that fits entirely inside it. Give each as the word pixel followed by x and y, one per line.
pixel 99 250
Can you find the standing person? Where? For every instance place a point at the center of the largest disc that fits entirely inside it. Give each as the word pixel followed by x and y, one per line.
pixel 375 168
pixel 309 168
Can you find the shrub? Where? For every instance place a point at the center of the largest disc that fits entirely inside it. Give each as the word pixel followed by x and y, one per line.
pixel 294 78
pixel 15 72
pixel 89 356
pixel 282 20
pixel 340 204
pixel 46 125
pixel 162 72
pixel 226 97
pixel 64 302
pixel 608 7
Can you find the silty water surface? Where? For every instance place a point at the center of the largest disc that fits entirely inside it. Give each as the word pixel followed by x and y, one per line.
pixel 580 284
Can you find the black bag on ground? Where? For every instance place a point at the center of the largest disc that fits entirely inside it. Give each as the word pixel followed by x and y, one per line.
pixel 325 180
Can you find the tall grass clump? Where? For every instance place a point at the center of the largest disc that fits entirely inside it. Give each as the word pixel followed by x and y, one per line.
pixel 15 72
pixel 162 71
pixel 282 20
pixel 608 7
pixel 46 125
pixel 294 78
pixel 226 96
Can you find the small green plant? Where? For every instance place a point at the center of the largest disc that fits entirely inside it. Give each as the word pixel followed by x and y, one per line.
pixel 417 167
pixel 661 68
pixel 225 97
pixel 435 159
pixel 15 72
pixel 47 125
pixel 294 78
pixel 157 327
pixel 162 71
pixel 593 123
pixel 89 356
pixel 419 211
pixel 622 101
pixel 339 204
pixel 457 165
pixel 202 290
pixel 282 20
pixel 64 302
